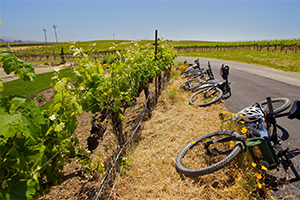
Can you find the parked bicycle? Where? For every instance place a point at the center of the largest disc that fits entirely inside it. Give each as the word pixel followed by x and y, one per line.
pixel 210 92
pixel 213 151
pixel 195 83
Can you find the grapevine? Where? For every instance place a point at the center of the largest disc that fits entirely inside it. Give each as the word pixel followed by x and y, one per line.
pixel 35 143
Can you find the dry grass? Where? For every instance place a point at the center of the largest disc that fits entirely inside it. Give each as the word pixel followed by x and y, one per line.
pixel 152 173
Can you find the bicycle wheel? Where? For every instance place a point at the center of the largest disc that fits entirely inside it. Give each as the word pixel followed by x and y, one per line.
pixel 194 160
pixel 279 105
pixel 189 84
pixel 206 96
pixel 188 73
pixel 203 85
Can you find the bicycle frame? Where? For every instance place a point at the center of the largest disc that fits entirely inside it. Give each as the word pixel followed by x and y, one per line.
pixel 258 129
pixel 255 127
pixel 224 86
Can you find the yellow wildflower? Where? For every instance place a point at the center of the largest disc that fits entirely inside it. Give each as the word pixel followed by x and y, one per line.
pixel 223 112
pixel 193 142
pixel 233 114
pixel 254 164
pixel 259 185
pixel 232 144
pixel 264 168
pixel 258 176
pixel 217 122
pixel 241 115
pixel 244 130
pixel 238 179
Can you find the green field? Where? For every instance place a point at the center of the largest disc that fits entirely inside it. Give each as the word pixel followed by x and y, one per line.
pixel 24 88
pixel 285 62
pixel 279 54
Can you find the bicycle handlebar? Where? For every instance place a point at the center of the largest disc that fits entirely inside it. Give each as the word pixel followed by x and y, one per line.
pixel 270 106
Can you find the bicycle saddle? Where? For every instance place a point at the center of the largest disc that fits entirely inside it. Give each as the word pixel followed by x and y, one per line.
pixel 295 110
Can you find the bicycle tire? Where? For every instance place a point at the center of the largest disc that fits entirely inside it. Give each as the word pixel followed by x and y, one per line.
pixel 184 155
pixel 187 73
pixel 279 105
pixel 215 94
pixel 192 73
pixel 189 84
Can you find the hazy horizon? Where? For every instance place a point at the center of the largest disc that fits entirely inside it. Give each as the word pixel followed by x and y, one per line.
pixel 201 20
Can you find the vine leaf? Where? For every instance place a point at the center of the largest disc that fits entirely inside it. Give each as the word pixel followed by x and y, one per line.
pixel 22 117
pixel 9 125
pixel 12 63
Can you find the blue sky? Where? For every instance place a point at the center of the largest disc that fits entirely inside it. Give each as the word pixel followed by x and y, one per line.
pixel 214 20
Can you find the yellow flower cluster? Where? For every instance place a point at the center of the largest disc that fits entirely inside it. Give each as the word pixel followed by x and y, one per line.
pixel 173 87
pixel 244 130
pixel 233 114
pixel 258 175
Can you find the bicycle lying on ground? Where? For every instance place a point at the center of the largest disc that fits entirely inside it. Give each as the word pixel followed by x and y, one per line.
pixel 195 71
pixel 210 92
pixel 195 82
pixel 213 151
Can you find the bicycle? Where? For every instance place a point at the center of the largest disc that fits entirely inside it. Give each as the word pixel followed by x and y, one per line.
pixel 195 71
pixel 195 83
pixel 213 151
pixel 210 92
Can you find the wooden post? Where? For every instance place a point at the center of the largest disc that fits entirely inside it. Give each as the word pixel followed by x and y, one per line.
pixel 155 44
pixel 146 91
pixel 118 127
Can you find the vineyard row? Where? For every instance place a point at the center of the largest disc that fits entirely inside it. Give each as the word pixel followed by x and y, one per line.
pixel 282 49
pixel 35 144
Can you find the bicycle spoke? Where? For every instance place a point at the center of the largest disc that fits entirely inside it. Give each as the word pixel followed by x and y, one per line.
pixel 198 157
pixel 206 96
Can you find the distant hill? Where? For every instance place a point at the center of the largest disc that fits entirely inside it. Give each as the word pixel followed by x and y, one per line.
pixel 9 39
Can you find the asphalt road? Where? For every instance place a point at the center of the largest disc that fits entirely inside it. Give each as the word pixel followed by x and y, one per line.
pixel 251 84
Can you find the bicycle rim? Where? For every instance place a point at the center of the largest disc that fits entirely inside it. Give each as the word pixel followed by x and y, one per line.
pixel 203 85
pixel 184 75
pixel 206 96
pixel 193 160
pixel 189 84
